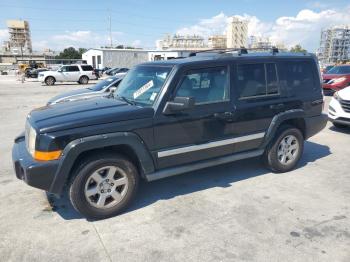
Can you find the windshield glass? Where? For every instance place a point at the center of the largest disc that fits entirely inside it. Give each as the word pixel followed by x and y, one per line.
pixel 142 84
pixel 102 84
pixel 339 70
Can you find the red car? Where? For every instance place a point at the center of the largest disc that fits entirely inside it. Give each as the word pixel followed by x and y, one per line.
pixel 336 78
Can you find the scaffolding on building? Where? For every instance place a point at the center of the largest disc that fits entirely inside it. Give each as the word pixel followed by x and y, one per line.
pixel 19 36
pixel 335 45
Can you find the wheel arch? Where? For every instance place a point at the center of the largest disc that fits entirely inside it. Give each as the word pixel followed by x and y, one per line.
pixel 295 117
pixel 126 144
pixel 46 77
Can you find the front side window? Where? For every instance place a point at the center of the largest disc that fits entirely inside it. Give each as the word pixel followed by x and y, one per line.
pixel 208 85
pixel 142 84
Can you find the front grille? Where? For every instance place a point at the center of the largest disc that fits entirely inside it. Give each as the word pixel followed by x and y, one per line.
pixel 345 104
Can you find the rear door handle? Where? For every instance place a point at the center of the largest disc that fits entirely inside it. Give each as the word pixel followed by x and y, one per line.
pixel 277 106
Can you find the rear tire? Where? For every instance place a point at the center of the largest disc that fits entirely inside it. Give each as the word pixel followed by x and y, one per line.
pixel 50 81
pixel 103 186
pixel 84 80
pixel 285 150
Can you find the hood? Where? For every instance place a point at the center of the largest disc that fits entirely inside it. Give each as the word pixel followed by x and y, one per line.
pixel 344 93
pixel 69 95
pixel 332 76
pixel 82 113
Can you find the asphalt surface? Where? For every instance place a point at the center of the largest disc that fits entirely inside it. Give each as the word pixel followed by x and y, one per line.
pixel 234 212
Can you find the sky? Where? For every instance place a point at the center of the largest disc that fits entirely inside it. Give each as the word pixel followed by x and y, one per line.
pixel 58 24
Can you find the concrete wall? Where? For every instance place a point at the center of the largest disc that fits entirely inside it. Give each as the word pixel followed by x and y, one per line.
pixel 124 58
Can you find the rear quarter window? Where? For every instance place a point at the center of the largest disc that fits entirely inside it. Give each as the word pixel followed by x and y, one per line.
pixel 87 68
pixel 297 76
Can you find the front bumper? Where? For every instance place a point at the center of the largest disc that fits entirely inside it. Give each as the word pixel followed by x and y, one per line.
pixel 336 113
pixel 34 173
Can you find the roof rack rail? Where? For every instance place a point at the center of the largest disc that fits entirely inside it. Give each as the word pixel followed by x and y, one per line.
pixel 242 50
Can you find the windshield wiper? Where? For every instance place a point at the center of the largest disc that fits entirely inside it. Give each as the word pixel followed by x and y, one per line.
pixel 129 101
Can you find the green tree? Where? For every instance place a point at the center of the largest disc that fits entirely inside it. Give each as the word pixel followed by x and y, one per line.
pixel 297 49
pixel 70 53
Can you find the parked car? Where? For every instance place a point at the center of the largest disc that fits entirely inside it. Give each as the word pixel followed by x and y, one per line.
pixel 172 117
pixel 327 68
pixel 35 72
pixel 117 70
pixel 102 88
pixel 339 108
pixel 68 73
pixel 336 79
pixel 100 72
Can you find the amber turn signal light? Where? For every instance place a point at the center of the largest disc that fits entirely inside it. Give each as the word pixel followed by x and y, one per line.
pixel 47 156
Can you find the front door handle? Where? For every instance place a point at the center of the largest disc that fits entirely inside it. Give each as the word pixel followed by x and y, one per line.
pixel 277 106
pixel 224 116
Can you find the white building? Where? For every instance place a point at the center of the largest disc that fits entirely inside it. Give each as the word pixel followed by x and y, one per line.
pixel 237 33
pixel 181 42
pixel 106 57
pixel 217 41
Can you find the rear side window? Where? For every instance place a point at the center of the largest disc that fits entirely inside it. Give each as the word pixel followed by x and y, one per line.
pixel 257 80
pixel 297 76
pixel 87 68
pixel 72 68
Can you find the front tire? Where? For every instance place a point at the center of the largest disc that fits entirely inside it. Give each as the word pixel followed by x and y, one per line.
pixel 284 152
pixel 50 81
pixel 103 186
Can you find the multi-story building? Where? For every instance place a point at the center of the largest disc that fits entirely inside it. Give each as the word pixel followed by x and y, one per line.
pixel 237 33
pixel 181 42
pixel 217 41
pixel 20 39
pixel 335 45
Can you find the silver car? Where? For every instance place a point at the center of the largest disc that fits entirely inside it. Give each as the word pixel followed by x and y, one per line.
pixel 102 88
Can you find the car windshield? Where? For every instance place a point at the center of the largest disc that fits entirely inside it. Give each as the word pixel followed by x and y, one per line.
pixel 339 70
pixel 142 84
pixel 102 84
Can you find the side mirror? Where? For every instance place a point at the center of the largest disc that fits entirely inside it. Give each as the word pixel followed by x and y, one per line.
pixel 112 89
pixel 59 70
pixel 178 105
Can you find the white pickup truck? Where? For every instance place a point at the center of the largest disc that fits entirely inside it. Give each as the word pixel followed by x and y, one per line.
pixel 68 73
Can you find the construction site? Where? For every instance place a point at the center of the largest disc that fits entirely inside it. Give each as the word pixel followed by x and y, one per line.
pixel 335 45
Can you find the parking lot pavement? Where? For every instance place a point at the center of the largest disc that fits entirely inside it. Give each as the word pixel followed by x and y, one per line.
pixel 234 212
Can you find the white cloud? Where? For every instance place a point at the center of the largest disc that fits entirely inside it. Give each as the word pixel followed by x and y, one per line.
pixel 136 43
pixel 304 28
pixel 77 39
pixel 4 36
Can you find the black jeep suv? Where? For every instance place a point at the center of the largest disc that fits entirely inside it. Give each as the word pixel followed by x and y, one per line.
pixel 171 117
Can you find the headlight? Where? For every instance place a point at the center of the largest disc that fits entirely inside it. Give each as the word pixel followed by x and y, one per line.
pixel 30 137
pixel 337 80
pixel 336 96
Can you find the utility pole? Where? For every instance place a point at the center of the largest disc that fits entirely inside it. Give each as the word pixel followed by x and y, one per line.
pixel 110 30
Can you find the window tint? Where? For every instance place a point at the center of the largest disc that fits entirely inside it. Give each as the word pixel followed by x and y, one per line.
pixel 339 70
pixel 205 85
pixel 72 68
pixel 257 80
pixel 87 68
pixel 271 79
pixel 251 80
pixel 296 75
